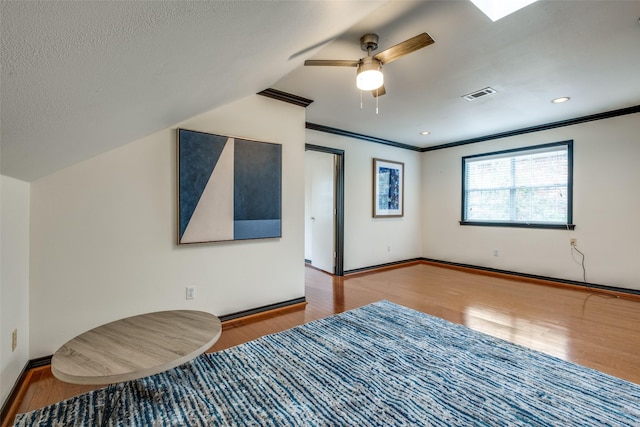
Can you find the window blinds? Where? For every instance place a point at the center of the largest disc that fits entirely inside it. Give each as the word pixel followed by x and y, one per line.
pixel 530 185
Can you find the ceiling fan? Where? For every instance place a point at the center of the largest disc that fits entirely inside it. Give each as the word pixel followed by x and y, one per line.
pixel 369 75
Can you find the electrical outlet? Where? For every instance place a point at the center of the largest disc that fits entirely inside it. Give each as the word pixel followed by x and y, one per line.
pixel 14 340
pixel 573 242
pixel 388 248
pixel 191 292
pixel 496 252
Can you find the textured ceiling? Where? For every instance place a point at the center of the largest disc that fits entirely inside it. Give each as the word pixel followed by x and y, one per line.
pixel 81 78
pixel 587 50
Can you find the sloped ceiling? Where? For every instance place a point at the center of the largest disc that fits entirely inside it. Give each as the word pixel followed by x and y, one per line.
pixel 81 78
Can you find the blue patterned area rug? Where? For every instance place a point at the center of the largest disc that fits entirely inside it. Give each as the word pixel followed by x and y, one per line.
pixel 378 365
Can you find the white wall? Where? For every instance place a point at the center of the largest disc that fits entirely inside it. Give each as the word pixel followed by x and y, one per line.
pixel 103 233
pixel 14 280
pixel 605 209
pixel 367 238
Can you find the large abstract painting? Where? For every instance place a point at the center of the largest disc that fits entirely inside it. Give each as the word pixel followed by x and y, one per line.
pixel 228 188
pixel 388 188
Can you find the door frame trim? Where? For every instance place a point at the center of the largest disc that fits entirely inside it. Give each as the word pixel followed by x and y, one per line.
pixel 339 199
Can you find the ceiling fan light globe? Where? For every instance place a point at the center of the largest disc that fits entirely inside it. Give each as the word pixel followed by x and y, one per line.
pixel 369 79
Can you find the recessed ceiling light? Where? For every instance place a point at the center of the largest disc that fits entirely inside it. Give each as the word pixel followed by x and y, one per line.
pixel 560 100
pixel 425 132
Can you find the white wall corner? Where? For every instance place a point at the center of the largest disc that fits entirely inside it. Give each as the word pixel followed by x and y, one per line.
pixel 14 280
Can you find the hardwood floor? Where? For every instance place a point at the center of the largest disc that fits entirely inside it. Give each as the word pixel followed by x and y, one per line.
pixel 592 329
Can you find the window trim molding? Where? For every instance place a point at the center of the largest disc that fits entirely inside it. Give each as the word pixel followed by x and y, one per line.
pixel 520 225
pixel 553 226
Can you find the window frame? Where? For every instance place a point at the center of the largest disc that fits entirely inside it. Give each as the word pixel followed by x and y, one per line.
pixel 564 226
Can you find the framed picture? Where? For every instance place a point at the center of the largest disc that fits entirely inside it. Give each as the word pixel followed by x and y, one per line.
pixel 228 188
pixel 388 188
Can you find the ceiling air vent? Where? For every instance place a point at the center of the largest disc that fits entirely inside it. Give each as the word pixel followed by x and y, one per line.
pixel 479 94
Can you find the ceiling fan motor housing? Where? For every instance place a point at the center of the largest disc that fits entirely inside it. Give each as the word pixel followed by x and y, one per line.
pixel 369 42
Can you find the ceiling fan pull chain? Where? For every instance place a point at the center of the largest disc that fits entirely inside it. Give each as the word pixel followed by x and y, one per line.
pixel 361 100
pixel 377 98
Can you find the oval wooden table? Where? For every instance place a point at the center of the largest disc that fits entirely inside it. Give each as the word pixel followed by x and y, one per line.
pixel 135 347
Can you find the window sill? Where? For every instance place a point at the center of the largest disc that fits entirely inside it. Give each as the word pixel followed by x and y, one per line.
pixel 520 225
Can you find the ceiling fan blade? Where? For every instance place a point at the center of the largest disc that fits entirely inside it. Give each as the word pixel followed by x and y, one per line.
pixel 404 48
pixel 332 62
pixel 378 92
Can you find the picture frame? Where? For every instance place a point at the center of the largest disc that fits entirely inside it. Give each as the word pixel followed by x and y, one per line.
pixel 228 188
pixel 388 188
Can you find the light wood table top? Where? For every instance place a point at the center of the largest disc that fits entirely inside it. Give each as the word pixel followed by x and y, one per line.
pixel 135 347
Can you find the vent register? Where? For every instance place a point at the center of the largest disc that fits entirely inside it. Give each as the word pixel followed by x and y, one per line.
pixel 479 94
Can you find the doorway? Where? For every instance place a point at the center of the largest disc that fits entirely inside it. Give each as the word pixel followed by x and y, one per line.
pixel 324 208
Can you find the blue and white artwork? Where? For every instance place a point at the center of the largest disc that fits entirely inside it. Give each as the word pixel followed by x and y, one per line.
pixel 388 188
pixel 228 188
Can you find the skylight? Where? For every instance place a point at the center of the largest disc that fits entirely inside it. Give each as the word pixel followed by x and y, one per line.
pixel 496 9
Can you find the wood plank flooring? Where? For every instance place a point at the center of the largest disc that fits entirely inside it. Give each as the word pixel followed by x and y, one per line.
pixel 588 328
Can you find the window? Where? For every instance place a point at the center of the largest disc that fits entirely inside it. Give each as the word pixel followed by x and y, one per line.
pixel 524 187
